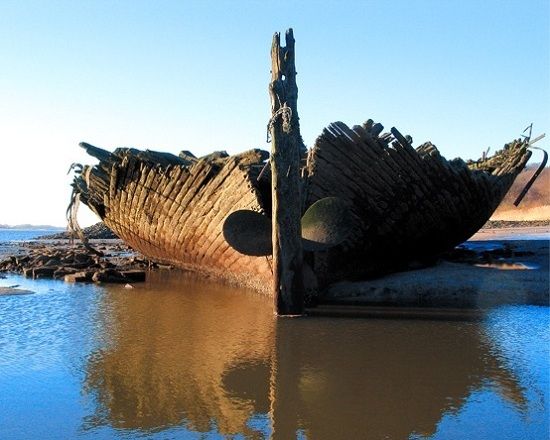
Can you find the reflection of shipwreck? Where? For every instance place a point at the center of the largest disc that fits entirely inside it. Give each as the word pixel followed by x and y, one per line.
pixel 404 203
pixel 229 362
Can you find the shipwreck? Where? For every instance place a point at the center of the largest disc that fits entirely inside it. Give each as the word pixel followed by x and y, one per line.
pixel 404 204
pixel 369 202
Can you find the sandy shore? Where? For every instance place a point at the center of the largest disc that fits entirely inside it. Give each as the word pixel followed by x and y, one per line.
pixel 519 276
pixel 513 233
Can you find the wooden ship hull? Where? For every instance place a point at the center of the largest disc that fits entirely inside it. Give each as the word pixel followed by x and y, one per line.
pixel 405 204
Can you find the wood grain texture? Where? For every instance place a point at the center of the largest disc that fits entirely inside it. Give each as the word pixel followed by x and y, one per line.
pixel 288 287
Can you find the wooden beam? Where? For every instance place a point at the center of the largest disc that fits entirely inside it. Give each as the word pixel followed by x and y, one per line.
pixel 288 288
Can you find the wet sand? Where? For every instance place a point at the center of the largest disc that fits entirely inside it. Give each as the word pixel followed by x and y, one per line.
pixel 522 277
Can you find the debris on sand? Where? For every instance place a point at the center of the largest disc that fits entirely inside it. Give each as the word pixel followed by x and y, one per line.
pixel 75 263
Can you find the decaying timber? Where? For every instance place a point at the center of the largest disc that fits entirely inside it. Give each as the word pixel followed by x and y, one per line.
pixel 172 208
pixel 404 204
pixel 286 144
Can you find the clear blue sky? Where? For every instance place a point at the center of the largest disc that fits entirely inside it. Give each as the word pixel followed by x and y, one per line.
pixel 172 75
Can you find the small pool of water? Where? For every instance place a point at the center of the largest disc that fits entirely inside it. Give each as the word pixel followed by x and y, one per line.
pixel 179 358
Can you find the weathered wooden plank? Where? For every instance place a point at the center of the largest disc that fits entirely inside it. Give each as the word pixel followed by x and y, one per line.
pixel 288 288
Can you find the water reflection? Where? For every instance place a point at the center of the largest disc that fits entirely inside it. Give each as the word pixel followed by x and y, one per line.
pixel 169 355
pixel 379 379
pixel 204 359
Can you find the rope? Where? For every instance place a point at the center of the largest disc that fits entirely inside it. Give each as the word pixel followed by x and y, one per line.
pixel 286 114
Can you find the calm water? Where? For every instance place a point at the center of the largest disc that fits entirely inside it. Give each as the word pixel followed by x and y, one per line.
pixel 177 358
pixel 24 234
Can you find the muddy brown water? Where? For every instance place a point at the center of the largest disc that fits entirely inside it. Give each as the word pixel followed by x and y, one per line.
pixel 179 358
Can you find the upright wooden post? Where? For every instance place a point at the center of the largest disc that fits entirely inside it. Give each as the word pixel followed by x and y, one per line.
pixel 288 288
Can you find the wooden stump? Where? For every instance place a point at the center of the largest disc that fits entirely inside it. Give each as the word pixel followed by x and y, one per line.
pixel 288 288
